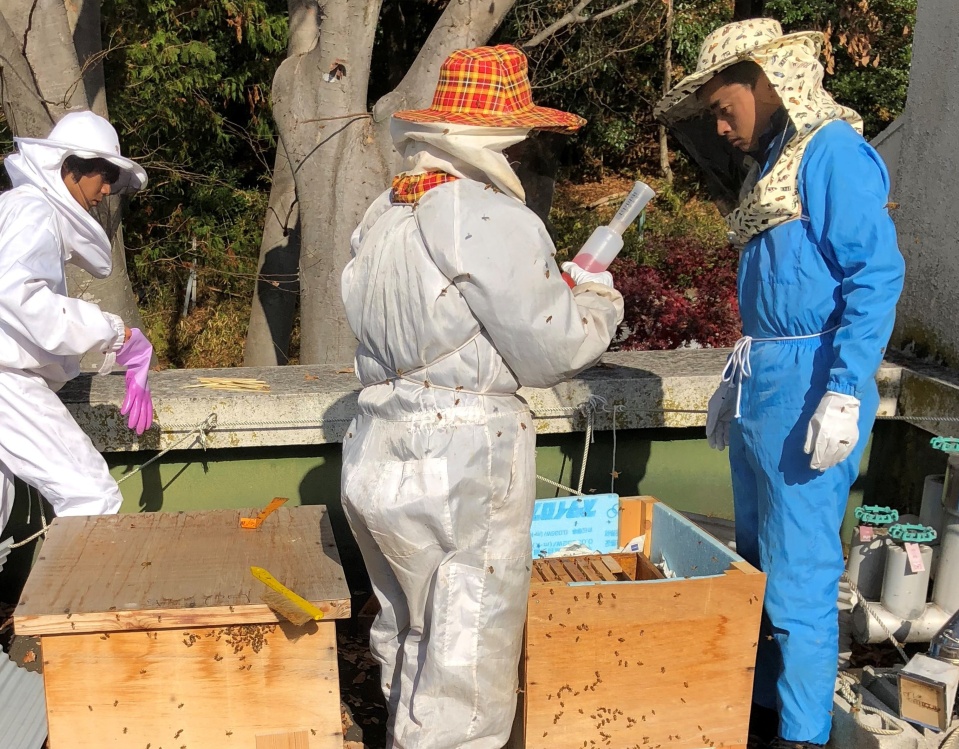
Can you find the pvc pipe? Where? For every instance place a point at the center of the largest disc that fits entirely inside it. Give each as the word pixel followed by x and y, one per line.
pixel 950 489
pixel 904 591
pixel 866 629
pixel 931 511
pixel 867 563
pixel 946 591
pixel 846 602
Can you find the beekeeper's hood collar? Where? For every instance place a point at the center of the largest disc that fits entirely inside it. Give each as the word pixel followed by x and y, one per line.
pixel 791 63
pixel 465 151
pixel 39 161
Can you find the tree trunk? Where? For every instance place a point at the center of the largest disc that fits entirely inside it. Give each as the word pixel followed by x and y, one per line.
pixel 42 43
pixel 667 83
pixel 274 300
pixel 23 106
pixel 83 17
pixel 342 156
pixel 276 294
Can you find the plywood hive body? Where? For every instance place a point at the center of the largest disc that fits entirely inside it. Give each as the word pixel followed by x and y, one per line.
pixel 638 660
pixel 153 632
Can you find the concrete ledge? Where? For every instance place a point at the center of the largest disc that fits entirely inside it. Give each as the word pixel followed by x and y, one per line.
pixel 928 390
pixel 314 405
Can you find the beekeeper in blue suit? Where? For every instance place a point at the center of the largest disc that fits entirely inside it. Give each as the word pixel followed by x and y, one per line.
pixel 819 276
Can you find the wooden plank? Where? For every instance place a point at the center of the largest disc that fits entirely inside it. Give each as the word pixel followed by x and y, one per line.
pixel 614 567
pixel 545 570
pixel 287 740
pixel 559 571
pixel 199 688
pixel 633 514
pixel 743 567
pixel 627 563
pixel 585 564
pixel 600 570
pixel 646 570
pixel 573 570
pixel 649 512
pixel 668 664
pixel 185 569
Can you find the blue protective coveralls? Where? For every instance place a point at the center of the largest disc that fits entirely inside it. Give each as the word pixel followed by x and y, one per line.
pixel 837 267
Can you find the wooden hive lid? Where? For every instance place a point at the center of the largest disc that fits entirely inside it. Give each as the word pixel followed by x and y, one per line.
pixel 162 570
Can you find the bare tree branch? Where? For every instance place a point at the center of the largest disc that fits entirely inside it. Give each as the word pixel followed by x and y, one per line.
pixel 464 24
pixel 575 16
pixel 612 11
pixel 667 83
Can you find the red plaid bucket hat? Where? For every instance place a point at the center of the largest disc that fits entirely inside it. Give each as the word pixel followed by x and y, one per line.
pixel 489 87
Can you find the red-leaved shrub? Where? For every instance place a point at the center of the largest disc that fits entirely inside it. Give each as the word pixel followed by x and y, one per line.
pixel 684 294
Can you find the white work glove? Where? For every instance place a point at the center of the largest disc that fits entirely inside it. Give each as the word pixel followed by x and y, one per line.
pixel 718 415
pixel 584 276
pixel 833 431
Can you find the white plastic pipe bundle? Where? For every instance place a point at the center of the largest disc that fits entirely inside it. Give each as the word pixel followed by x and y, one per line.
pixel 866 564
pixel 904 591
pixel 946 591
pixel 903 610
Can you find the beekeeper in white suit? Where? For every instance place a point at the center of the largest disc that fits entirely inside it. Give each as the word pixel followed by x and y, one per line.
pixel 456 301
pixel 44 224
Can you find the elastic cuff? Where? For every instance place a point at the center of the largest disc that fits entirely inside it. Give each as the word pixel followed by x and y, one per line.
pixel 117 324
pixel 109 362
pixel 844 388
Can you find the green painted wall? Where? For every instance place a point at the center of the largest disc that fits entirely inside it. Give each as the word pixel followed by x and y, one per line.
pixel 675 465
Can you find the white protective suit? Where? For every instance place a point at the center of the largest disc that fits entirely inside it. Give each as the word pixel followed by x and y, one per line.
pixel 44 332
pixel 456 302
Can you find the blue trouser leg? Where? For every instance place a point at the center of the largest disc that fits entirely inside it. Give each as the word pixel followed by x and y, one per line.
pixel 747 507
pixel 787 523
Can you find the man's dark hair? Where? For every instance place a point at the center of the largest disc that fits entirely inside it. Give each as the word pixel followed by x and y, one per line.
pixel 78 167
pixel 745 73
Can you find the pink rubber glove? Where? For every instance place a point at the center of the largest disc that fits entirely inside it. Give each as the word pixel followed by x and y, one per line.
pixel 135 355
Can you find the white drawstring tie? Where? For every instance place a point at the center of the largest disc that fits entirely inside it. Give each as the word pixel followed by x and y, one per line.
pixel 738 367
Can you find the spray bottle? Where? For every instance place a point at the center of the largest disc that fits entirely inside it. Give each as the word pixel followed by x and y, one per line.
pixel 605 242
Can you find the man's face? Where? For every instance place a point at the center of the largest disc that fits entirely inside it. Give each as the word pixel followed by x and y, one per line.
pixel 88 190
pixel 741 115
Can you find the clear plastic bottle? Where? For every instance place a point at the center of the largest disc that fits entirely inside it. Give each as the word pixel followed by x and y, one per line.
pixel 605 242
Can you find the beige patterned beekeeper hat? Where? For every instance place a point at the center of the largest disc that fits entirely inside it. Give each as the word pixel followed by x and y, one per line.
pixel 743 40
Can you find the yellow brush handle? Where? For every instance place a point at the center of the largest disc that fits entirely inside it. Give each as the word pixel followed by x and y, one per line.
pixel 271 582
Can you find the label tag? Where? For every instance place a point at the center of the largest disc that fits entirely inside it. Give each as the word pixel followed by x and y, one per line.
pixel 915 557
pixel 865 533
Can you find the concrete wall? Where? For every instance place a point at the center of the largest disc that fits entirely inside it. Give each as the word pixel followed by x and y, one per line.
pixel 889 145
pixel 927 188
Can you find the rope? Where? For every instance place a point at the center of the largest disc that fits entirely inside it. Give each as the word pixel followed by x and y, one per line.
pixel 847 682
pixel 540 413
pixel 872 612
pixel 565 488
pixel 613 473
pixel 589 410
pixel 31 496
pixel 951 741
pixel 200 432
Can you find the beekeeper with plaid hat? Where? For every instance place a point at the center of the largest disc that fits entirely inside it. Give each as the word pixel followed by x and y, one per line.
pixel 819 276
pixel 456 301
pixel 45 222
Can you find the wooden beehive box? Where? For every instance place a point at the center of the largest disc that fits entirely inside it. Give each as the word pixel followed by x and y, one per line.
pixel 616 656
pixel 153 633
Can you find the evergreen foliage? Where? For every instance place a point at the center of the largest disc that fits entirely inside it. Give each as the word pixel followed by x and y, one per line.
pixel 188 85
